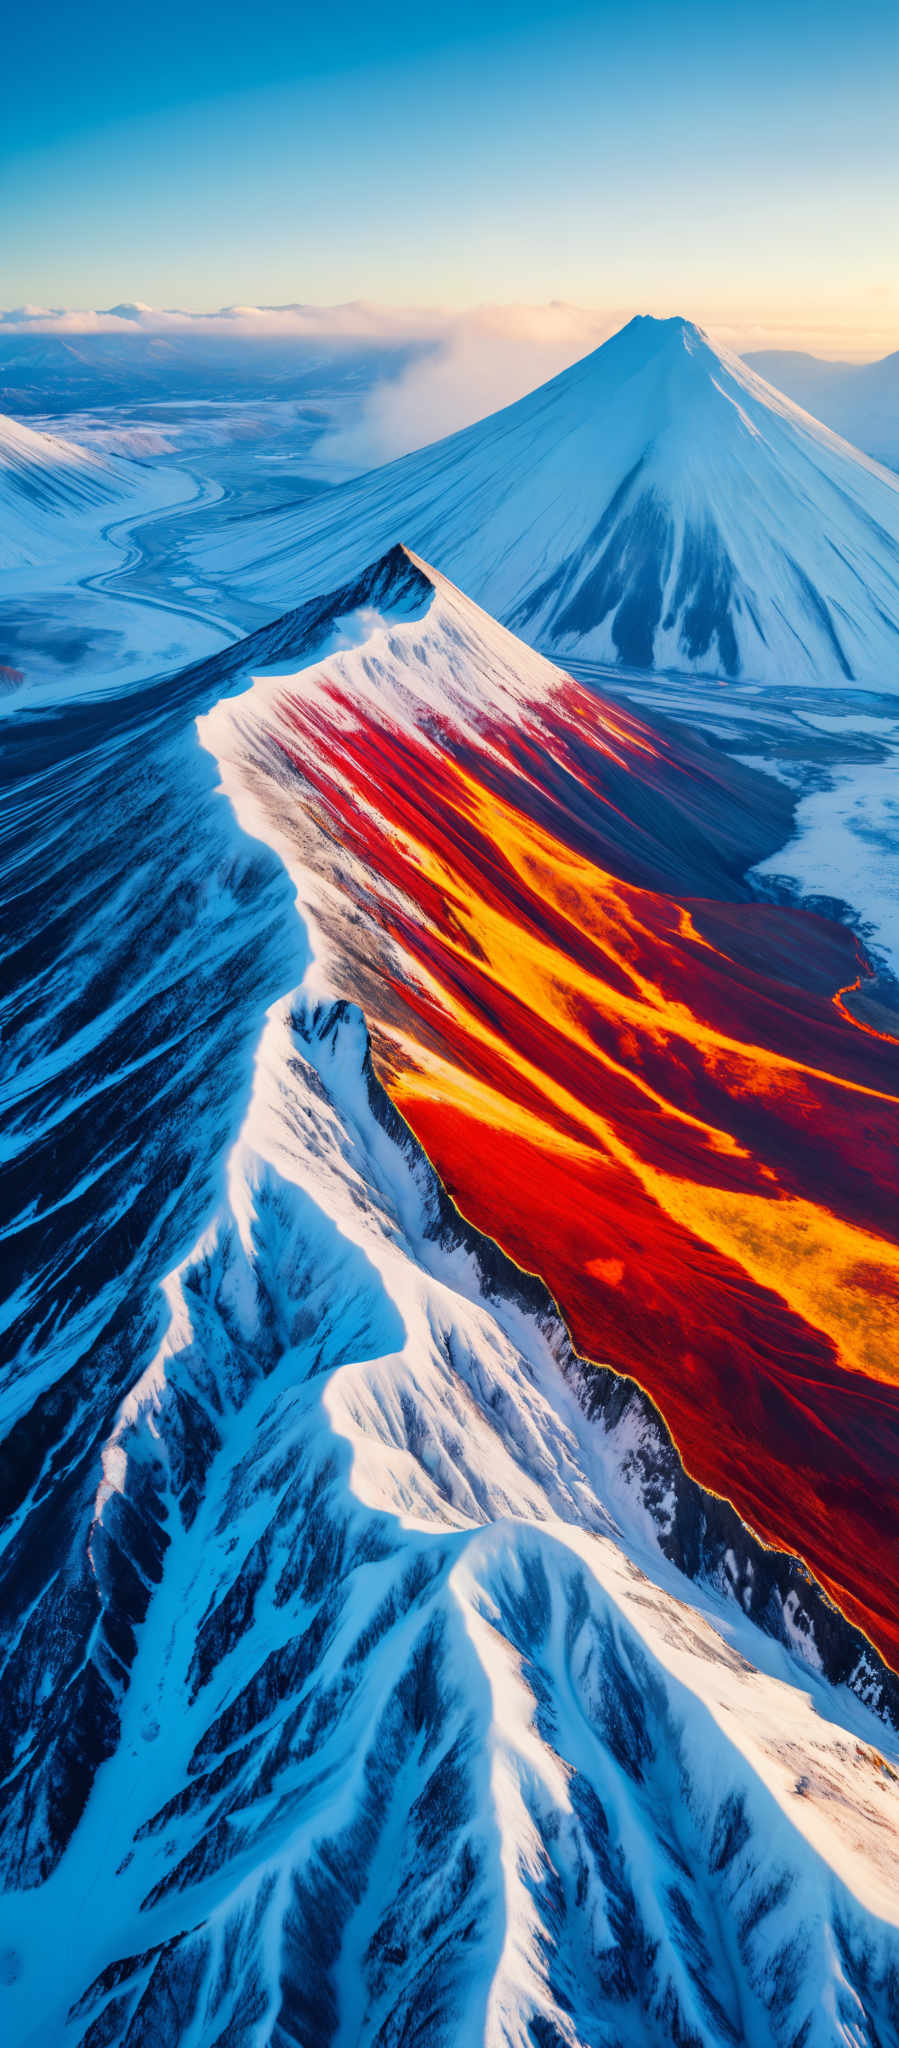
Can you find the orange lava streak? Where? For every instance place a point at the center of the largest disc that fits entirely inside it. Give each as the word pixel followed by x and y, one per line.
pixel 852 988
pixel 656 1101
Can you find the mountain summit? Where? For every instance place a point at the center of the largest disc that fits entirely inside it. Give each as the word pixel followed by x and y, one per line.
pixel 656 505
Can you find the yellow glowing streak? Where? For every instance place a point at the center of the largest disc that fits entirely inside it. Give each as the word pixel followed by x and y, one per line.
pixel 801 1251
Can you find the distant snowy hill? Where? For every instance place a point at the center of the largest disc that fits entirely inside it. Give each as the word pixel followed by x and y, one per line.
pixel 859 400
pixel 374 1674
pixel 656 505
pixel 55 495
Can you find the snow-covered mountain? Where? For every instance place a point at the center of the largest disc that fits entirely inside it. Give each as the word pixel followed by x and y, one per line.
pixel 657 505
pixel 859 400
pixel 56 496
pixel 429 1736
pixel 373 1672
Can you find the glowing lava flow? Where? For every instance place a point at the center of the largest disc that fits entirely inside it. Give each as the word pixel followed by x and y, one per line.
pixel 645 1093
pixel 856 987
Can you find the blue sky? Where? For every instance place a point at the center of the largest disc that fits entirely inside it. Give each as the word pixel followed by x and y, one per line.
pixel 709 158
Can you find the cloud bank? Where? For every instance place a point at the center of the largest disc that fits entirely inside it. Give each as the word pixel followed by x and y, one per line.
pixel 452 367
pixel 554 324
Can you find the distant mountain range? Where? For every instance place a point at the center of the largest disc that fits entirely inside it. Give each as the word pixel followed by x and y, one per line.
pixel 859 400
pixel 658 505
pixel 65 372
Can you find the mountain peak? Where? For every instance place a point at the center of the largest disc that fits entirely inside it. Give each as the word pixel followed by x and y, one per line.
pixel 672 324
pixel 653 333
pixel 662 347
pixel 655 505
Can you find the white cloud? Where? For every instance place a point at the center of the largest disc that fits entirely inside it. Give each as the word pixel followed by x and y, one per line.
pixel 482 360
pixel 354 321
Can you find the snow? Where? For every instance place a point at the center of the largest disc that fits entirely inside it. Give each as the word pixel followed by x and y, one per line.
pixel 658 505
pixel 423 1731
pixel 55 496
pixel 490 1761
pixel 421 1436
pixel 845 845
pixel 77 623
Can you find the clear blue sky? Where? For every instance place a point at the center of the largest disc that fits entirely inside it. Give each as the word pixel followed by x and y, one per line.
pixel 700 155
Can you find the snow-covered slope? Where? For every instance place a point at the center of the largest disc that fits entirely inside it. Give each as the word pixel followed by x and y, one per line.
pixel 657 505
pixel 425 1737
pixel 54 495
pixel 373 1672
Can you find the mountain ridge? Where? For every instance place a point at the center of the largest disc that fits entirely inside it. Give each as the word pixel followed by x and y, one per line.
pixel 371 1668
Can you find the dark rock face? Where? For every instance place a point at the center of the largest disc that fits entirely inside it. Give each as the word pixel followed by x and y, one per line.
pixel 626 569
pixel 628 580
pixel 704 595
